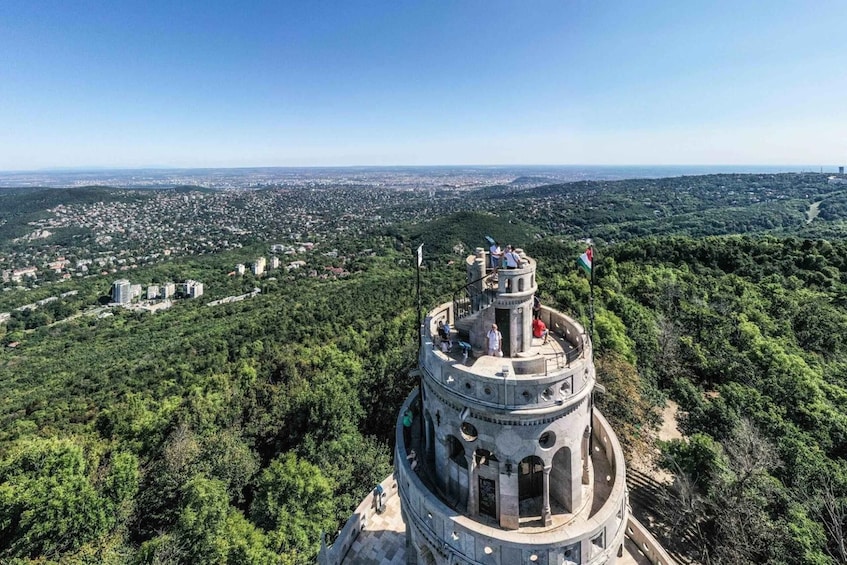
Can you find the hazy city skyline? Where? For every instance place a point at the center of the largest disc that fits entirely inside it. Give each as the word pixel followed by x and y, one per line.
pixel 614 83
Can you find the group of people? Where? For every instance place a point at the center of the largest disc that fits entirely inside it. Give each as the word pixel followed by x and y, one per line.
pixel 509 259
pixel 494 339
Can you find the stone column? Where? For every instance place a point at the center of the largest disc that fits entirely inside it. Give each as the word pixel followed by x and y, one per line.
pixel 545 509
pixel 508 503
pixel 473 485
pixel 441 458
pixel 427 452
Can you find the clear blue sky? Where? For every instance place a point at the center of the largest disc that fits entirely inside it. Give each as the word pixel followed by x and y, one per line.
pixel 203 83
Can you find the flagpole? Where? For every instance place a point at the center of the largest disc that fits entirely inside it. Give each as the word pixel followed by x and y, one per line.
pixel 418 261
pixel 591 295
pixel 591 335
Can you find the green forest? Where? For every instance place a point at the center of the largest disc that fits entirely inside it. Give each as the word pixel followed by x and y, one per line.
pixel 239 433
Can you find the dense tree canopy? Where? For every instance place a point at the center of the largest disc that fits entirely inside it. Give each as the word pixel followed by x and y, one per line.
pixel 238 433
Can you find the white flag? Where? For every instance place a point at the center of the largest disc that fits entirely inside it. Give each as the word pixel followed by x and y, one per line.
pixel 420 255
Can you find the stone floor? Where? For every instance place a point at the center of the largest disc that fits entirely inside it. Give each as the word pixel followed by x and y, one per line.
pixel 554 349
pixel 383 542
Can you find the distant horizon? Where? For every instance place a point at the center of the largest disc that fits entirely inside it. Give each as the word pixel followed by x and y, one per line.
pixel 96 169
pixel 386 176
pixel 117 86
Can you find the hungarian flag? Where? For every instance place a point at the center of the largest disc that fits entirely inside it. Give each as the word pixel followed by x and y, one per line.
pixel 586 259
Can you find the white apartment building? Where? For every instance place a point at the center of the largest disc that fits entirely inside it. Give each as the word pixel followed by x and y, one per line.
pixel 259 266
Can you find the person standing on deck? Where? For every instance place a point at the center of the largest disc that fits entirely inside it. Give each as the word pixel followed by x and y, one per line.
pixel 494 341
pixel 513 261
pixel 539 329
pixel 495 255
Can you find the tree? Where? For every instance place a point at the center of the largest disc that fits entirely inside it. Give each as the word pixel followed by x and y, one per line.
pixel 623 403
pixel 47 503
pixel 201 526
pixel 293 504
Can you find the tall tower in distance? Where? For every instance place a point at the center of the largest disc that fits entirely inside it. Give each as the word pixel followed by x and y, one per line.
pixel 500 459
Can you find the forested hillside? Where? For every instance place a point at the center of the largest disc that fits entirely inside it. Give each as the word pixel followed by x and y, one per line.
pixel 748 335
pixel 202 434
pixel 238 433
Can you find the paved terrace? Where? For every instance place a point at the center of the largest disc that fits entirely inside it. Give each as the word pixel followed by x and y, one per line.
pixel 555 353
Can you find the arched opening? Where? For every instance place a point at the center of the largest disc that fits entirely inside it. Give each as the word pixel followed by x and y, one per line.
pixel 456 451
pixel 520 284
pixel 531 486
pixel 485 457
pixel 585 454
pixel 561 479
pixel 429 448
pixel 487 485
pixel 456 473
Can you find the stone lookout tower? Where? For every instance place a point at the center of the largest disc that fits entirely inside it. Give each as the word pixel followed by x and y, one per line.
pixel 507 461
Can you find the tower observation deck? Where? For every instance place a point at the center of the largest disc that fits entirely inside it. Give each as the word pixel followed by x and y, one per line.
pixel 509 463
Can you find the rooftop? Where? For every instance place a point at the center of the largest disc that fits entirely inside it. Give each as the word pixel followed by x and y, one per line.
pixel 555 351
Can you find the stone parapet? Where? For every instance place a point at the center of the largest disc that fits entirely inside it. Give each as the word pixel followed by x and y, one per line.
pixel 648 545
pixel 528 382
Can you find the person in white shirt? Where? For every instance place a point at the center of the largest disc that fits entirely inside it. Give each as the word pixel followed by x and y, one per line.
pixel 495 254
pixel 512 258
pixel 494 340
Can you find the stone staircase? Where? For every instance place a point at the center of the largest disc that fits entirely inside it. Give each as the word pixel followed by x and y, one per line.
pixel 464 326
pixel 646 497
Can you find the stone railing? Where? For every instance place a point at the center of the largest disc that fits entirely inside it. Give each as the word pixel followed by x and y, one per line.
pixel 334 554
pixel 647 544
pixel 570 330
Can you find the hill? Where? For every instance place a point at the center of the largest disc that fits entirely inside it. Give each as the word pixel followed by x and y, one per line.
pixel 237 433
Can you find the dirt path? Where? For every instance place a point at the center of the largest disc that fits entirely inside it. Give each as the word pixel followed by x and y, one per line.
pixel 812 212
pixel 669 429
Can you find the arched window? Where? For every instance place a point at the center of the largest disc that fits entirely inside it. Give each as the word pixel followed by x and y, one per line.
pixel 485 457
pixel 531 485
pixel 456 451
